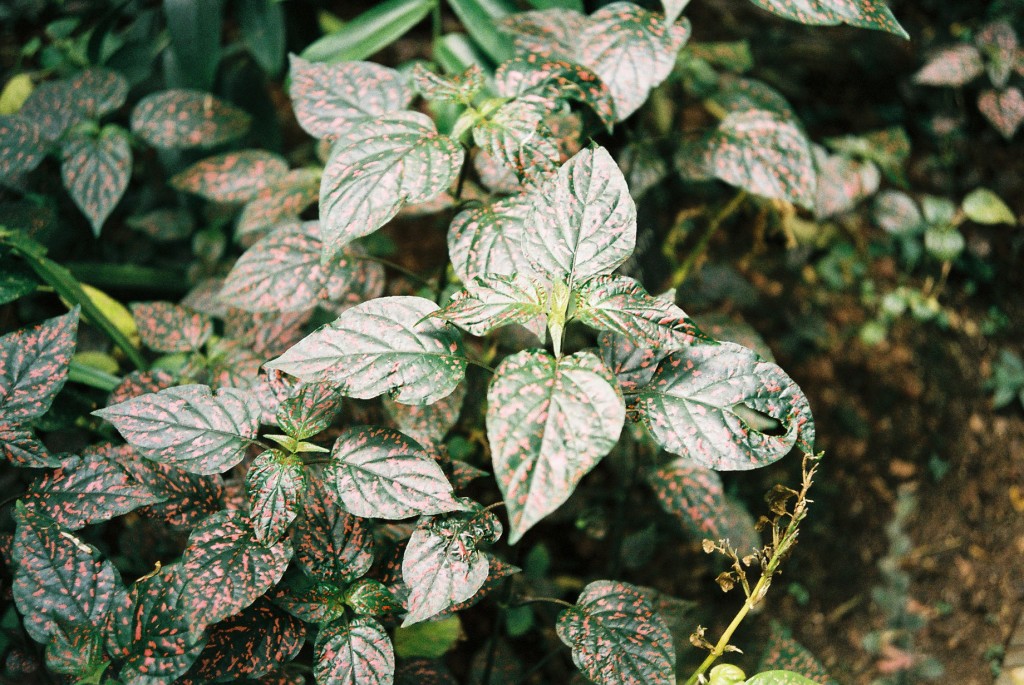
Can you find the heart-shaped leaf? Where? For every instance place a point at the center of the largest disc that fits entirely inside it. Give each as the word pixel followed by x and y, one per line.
pixel 329 98
pixel 692 494
pixel 282 201
pixel 487 240
pixel 231 176
pixel 96 91
pixel 997 40
pixel 459 88
pixel 96 172
pixel 76 650
pixel 34 366
pixel 583 220
pixel 49 108
pixel 182 118
pixel 368 597
pixel 331 545
pixel 308 410
pixel 58 579
pixel 691 407
pixel 867 14
pixel 1004 110
pixel 318 603
pixel 549 422
pixel 356 652
pixel 555 79
pixel 273 486
pixel 382 345
pixel 169 327
pixel 188 426
pixel 374 170
pixel 842 183
pixel 427 424
pixel 952 66
pixel 617 637
pixel 492 301
pixel 443 564
pixel 742 94
pixel 22 146
pixel 515 137
pixel 896 213
pixel 785 653
pixel 227 568
pixel 765 154
pixel 381 473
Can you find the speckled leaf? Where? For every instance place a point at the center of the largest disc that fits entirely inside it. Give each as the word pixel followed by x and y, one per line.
pixel 368 597
pixel 632 365
pixel 379 346
pixel 488 240
pixel 22 146
pixel 617 637
pixel 842 183
pixel 765 154
pixel 89 489
pixel 689 407
pixel 427 424
pixel 169 327
pixel 867 14
pixel 273 486
pixel 779 678
pixel 329 98
pixel 139 383
pixel 266 334
pixel 34 366
pixel 188 426
pixel 283 200
pixel 249 645
pixel 166 224
pixel 896 212
pixel 458 88
pixel 673 8
pixel 997 40
pixel 49 108
pixel 309 409
pixel 184 118
pixel 331 545
pixel 583 220
pixel 742 94
pixel 375 170
pixel 621 305
pixel 312 602
pixel 147 629
pixel 643 166
pixel 75 650
pixel 58 579
pixel 96 91
pixel 443 564
pixel 632 50
pixel 1004 110
pixel 515 137
pixel 423 672
pixel 492 301
pixel 381 473
pixel 952 66
pixel 356 652
pixel 785 653
pixel 21 447
pixel 549 422
pixel 554 79
pixel 691 494
pixel 552 32
pixel 231 176
pixel 227 568
pixel 498 570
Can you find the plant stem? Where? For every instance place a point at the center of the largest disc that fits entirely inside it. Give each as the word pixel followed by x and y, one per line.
pixel 544 600
pixel 394 266
pixel 681 273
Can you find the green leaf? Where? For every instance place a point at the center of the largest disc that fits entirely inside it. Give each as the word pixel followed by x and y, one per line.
pixel 308 410
pixel 487 240
pixel 460 88
pixel 868 14
pixel 691 494
pixel 227 568
pixel 231 176
pixel 492 301
pixel 785 653
pixel 842 183
pixel 633 365
pixel 96 92
pixel 985 207
pixel 549 422
pixel 556 79
pixel 263 32
pixel 383 345
pixel 188 426
pixel 889 148
pixel 515 137
pixel 353 652
pixel 318 603
pixel 427 424
pixel 368 597
pixel 432 639
pixel 480 18
pixel 583 220
pixel 617 637
pixel 742 94
pixel 273 486
pixel 331 545
pixel 329 99
pixel 779 678
pixel 375 170
pixel 147 629
pixel 897 213
pixel 690 407
pixel 673 8
pixel 21 447
pixel 282 201
pixel 16 280
pixel 195 28
pixel 944 243
pixel 953 66
pixel 22 147
pixel 34 367
pixel 998 42
pixel 381 473
pixel 168 327
pixel 369 32
pixel 765 154
pixel 443 564
pixel 187 118
pixel 552 32
pixel 76 650
pixel 58 579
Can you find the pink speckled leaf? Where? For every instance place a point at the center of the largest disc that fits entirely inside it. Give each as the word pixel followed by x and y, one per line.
pixel 312 602
pixel 381 473
pixel 21 447
pixel 188 426
pixel 555 79
pixel 309 409
pixel 34 366
pixel 459 88
pixel 427 424
pixel 354 652
pixel 184 118
pixel 227 568
pixel 148 632
pixel 998 42
pixel 736 94
pixel 139 383
pixel 691 494
pixel 424 672
pixel 231 176
pixel 368 597
pixel 374 170
pixel 673 8
pixel 22 146
pixel 233 365
pixel 249 645
pixel 779 678
pixel 632 50
pixel 785 653
pixel 488 239
pixel 616 636
pixel 643 166
pixel 283 200
pixel 867 14
pixel 765 154
pixel 89 489
pixel 266 334
pixel 515 137
pixel 50 109
pixel 689 407
pixel 621 305
pixel 549 422
pixel 169 327
pixel 952 66
pixel 330 98
pixel 495 176
pixel 273 487
pixel 331 545
pixel 552 32
pixel 384 345
pixel 58 579
pixel 1004 110
pixel 842 183
pixel 498 570
pixel 96 91
pixel 492 301
pixel 75 650
pixel 583 220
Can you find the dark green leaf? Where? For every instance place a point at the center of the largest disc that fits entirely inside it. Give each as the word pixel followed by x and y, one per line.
pixel 785 653
pixel 16 280
pixel 195 27
pixel 548 33
pixel 356 652
pixel 21 447
pixel 868 14
pixel 633 365
pixel 427 424
pixel 368 597
pixel 96 91
pixel 491 301
pixel 231 176
pixel 480 18
pixel 273 485
pixel 372 30
pixel 692 494
pixel 423 672
pixel 309 409
pixel 743 94
pixel 139 383
pixel 312 602
pixel 187 118
pixel 22 147
pixel 169 327
pixel 262 23
pixel 488 240
pixel 331 545
pixel 76 650
pixel 34 366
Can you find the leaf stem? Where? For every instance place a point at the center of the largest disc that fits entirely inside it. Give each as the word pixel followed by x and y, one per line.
pixel 486 367
pixel 544 600
pixel 681 273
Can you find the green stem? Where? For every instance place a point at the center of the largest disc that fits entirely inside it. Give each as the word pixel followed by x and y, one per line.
pixel 436 21
pixel 94 378
pixel 544 600
pixel 681 274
